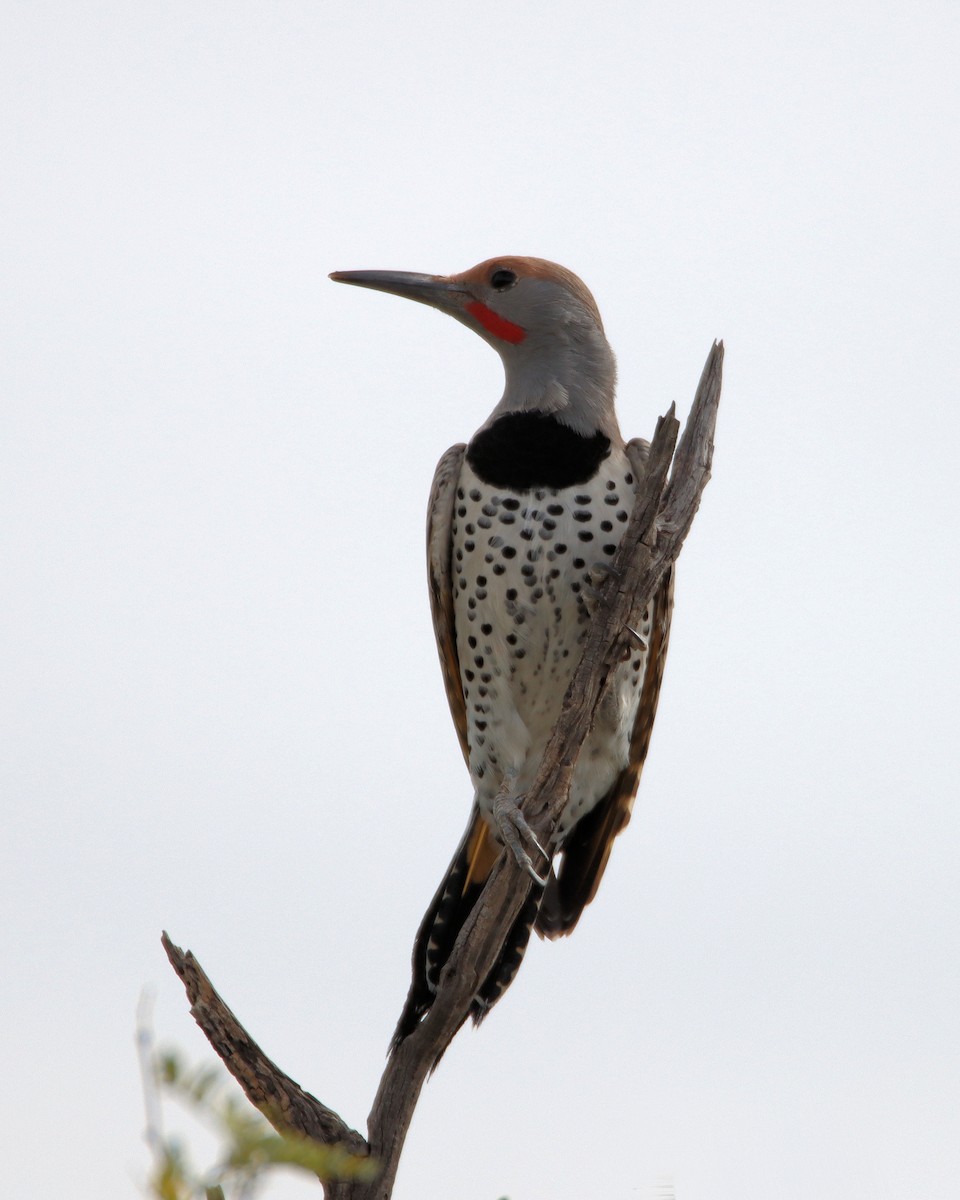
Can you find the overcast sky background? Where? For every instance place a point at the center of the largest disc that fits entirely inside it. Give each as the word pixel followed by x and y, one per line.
pixel 221 708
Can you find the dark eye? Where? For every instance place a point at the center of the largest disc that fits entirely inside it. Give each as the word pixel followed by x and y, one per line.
pixel 503 279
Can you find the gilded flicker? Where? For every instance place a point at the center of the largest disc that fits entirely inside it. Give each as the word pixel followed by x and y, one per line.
pixel 518 523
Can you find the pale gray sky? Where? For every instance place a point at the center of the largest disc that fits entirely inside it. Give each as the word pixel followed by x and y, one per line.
pixel 221 709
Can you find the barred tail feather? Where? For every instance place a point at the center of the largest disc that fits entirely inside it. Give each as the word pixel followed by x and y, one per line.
pixel 448 910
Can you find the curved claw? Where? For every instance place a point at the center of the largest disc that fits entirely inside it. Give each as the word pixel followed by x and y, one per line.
pixel 527 864
pixel 638 638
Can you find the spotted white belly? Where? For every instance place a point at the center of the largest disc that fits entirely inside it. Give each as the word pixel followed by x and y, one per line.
pixel 521 562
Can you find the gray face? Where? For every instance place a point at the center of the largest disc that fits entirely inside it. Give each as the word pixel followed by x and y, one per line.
pixel 541 320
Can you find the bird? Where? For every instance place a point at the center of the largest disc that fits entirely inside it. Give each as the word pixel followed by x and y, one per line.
pixel 520 521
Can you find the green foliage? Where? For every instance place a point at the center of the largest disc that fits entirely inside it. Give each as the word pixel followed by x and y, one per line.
pixel 249 1146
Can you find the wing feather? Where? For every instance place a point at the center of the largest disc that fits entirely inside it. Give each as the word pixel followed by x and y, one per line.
pixel 443 494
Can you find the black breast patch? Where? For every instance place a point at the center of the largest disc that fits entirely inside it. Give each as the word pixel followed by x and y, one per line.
pixel 528 450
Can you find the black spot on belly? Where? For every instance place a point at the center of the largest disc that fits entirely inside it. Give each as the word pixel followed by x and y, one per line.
pixel 529 450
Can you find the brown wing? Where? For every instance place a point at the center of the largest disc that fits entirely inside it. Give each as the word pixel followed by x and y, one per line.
pixel 443 494
pixel 587 848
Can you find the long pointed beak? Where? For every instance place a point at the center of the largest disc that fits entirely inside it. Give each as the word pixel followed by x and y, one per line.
pixel 435 290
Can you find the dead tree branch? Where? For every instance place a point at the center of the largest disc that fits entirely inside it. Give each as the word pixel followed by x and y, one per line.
pixel 667 502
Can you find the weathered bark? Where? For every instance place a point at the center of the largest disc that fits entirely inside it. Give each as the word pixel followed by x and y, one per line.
pixel 662 516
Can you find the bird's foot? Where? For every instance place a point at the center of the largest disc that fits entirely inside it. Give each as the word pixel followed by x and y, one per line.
pixel 592 589
pixel 602 570
pixel 514 830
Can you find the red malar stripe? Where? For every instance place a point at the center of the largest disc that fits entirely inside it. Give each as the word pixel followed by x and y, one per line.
pixel 499 326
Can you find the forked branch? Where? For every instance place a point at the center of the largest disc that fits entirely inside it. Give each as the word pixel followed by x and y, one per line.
pixel 667 502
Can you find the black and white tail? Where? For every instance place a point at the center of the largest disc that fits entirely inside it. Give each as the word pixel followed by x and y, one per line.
pixel 449 909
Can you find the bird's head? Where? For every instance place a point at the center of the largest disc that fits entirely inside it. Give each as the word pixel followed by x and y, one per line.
pixel 542 321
